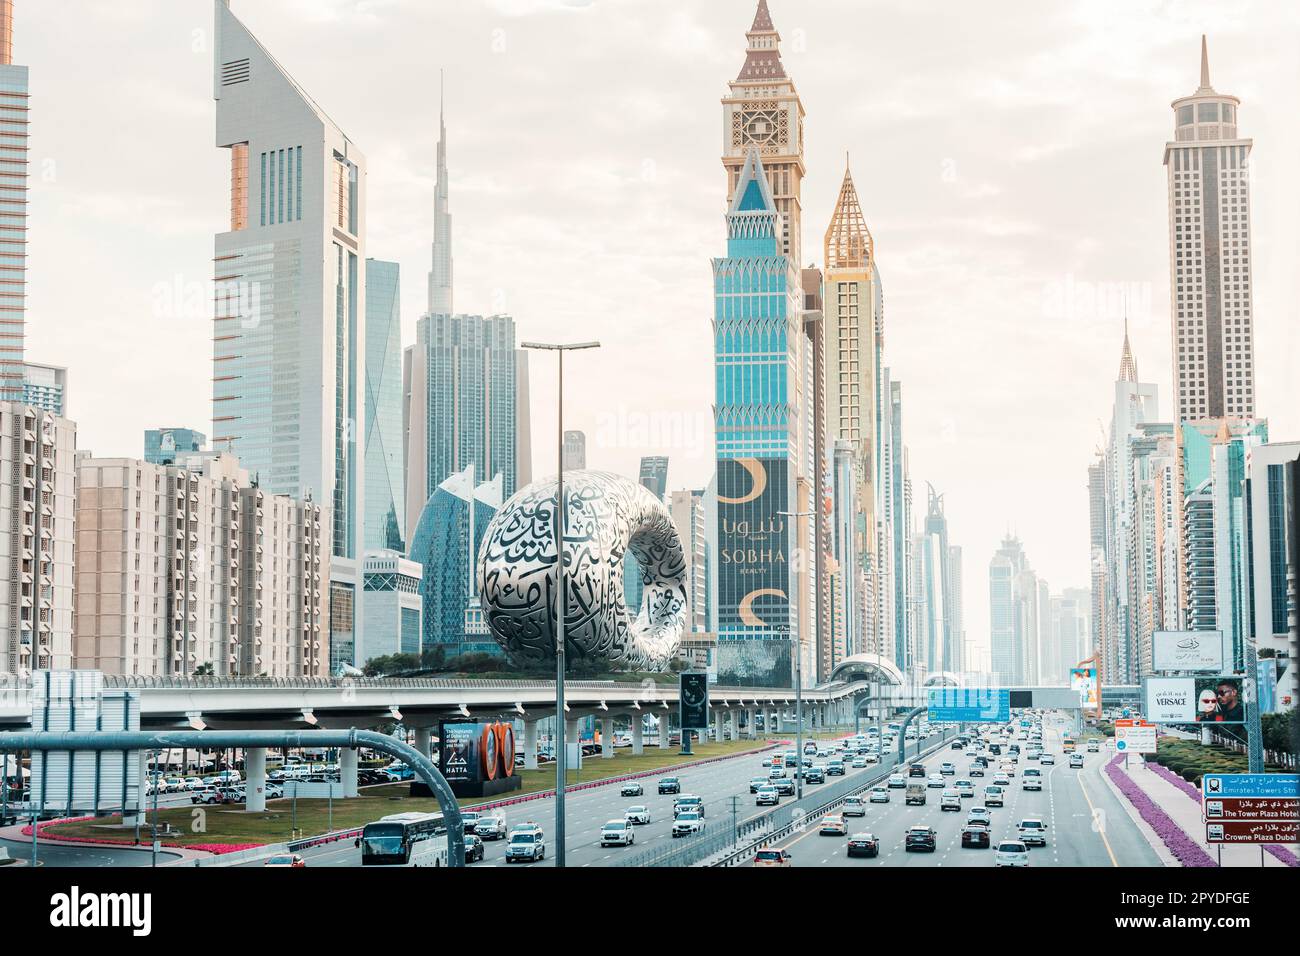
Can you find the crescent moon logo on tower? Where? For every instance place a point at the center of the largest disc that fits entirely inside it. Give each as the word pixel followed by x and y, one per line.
pixel 759 476
pixel 747 615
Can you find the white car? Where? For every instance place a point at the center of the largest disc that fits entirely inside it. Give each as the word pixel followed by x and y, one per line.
pixel 766 797
pixel 637 815
pixel 688 823
pixel 978 814
pixel 897 781
pixel 1031 779
pixel 1047 760
pixel 854 807
pixel 1011 853
pixel 935 780
pixel 879 795
pixel 950 800
pixel 526 845
pixel 1033 830
pixel 618 833
pixel 859 762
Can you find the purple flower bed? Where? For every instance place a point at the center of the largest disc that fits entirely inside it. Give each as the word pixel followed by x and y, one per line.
pixel 1279 852
pixel 1185 850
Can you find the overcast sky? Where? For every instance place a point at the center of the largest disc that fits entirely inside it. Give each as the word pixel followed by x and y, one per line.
pixel 1007 156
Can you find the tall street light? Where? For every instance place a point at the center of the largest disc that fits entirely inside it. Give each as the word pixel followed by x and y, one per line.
pixel 798 675
pixel 561 761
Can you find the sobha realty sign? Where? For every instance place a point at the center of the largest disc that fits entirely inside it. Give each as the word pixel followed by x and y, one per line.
pixel 1187 651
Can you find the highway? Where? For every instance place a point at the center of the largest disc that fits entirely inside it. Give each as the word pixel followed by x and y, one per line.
pixel 1069 803
pixel 588 810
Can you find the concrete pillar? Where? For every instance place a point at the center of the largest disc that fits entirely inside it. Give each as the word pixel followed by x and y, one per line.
pixel 255 779
pixel 664 730
pixel 530 744
pixel 423 739
pixel 141 807
pixel 348 771
pixel 638 728
pixel 733 718
pixel 607 738
pixel 717 724
pixel 751 722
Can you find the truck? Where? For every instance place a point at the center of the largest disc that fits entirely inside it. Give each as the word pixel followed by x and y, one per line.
pixel 915 794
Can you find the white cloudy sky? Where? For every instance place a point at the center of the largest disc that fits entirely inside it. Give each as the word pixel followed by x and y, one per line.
pixel 1008 158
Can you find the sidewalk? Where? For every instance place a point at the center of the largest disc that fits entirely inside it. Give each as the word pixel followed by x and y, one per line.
pixel 1185 811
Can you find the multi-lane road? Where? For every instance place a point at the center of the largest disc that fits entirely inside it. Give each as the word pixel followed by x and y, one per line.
pixel 1085 823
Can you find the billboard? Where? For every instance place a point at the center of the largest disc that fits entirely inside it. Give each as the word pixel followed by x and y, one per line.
pixel 753 572
pixel 968 705
pixel 1195 700
pixel 477 758
pixel 693 701
pixel 1086 682
pixel 1188 651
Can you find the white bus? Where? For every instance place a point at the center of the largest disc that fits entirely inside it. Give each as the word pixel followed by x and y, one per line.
pixel 405 839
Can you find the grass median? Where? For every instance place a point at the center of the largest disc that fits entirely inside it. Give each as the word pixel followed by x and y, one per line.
pixel 233 825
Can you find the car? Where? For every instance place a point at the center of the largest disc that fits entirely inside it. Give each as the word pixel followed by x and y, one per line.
pixel 995 749
pixel 1033 830
pixel 1011 853
pixel 1033 754
pixel 631 790
pixel 286 860
pixel 947 769
pixel 470 819
pixel 637 814
pixel 194 783
pixel 976 770
pixel 1032 779
pixel 863 844
pixel 975 835
pixel 688 803
pixel 854 807
pixel 916 770
pixel 958 745
pixel 772 858
pixel 859 762
pixel 474 848
pixel 950 800
pixel 1047 760
pixel 757 783
pixel 273 791
pixel 776 773
pixel 1007 770
pixel 525 845
pixel 490 827
pixel 1076 761
pixel 670 785
pixel 935 780
pixel 964 788
pixel 618 833
pixel 980 814
pixel 835 768
pixel 688 823
pixel 833 825
pixel 767 797
pixel 815 775
pixel 784 786
pixel 1092 746
pixel 920 838
pixel 897 781
pixel 993 795
pixel 1001 779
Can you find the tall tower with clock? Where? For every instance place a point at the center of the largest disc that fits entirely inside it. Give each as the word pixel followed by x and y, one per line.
pixel 763 111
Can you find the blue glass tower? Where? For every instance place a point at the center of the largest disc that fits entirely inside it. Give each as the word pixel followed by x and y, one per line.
pixel 385 497
pixel 756 326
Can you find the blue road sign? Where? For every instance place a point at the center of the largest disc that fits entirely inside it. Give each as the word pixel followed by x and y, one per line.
pixel 1258 785
pixel 969 704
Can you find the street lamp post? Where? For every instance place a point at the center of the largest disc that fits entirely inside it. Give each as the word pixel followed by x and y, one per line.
pixel 561 769
pixel 798 677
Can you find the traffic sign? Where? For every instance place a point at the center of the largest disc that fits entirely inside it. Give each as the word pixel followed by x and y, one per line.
pixel 969 705
pixel 1252 831
pixel 1252 808
pixel 1136 739
pixel 1259 785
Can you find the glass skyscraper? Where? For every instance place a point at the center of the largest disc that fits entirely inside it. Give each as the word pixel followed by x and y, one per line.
pixel 385 494
pixel 163 445
pixel 14 120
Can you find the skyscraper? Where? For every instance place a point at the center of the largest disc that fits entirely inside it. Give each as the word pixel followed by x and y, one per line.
pixel 163 446
pixel 385 489
pixel 13 211
pixel 440 276
pixel 461 404
pixel 654 474
pixel 1208 168
pixel 939 593
pixel 575 450
pixel 757 336
pixel 290 299
pixel 1272 507
pixel 1014 611
pixel 762 111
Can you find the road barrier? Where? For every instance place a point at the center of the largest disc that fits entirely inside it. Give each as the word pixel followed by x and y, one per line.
pixel 765 828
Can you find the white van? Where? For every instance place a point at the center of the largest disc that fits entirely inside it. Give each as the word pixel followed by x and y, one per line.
pixel 1031 779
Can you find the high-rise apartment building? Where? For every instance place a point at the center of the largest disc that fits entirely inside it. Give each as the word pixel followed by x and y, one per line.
pixel 290 301
pixel 190 566
pixel 1014 613
pixel 37 489
pixel 688 513
pixel 938 594
pixel 762 111
pixel 14 152
pixel 462 404
pixel 1208 168
pixel 385 504
pixel 391 607
pixel 1068 629
pixel 1272 610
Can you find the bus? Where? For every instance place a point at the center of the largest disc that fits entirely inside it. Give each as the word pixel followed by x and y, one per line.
pixel 404 839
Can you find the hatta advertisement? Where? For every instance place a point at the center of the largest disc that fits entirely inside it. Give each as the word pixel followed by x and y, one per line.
pixel 754 542
pixel 477 759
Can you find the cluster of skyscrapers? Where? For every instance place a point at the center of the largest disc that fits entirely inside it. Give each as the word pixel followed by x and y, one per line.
pixel 1193 518
pixel 814 541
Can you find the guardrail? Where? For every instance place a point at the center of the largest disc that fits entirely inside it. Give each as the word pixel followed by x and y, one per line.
pixel 773 825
